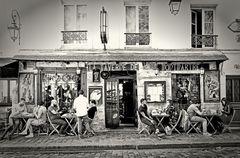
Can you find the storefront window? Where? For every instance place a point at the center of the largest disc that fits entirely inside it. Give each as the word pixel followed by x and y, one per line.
pixel 8 91
pixel 60 86
pixel 185 87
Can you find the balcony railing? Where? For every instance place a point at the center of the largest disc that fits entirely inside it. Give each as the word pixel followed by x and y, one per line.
pixel 74 37
pixel 138 38
pixel 204 41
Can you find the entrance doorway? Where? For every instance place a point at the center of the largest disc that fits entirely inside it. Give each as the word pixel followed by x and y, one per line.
pixel 121 100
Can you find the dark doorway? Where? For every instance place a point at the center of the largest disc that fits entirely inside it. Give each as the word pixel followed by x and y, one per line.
pixel 121 99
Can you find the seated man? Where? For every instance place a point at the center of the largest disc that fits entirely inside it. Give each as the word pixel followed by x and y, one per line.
pixel 14 121
pixel 91 113
pixel 40 117
pixel 144 117
pixel 193 111
pixel 55 117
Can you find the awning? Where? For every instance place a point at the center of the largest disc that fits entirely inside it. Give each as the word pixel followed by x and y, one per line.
pixel 125 55
pixel 8 68
pixel 4 62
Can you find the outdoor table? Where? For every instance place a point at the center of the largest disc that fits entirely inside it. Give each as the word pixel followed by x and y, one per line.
pixel 209 118
pixel 24 117
pixel 160 117
pixel 69 117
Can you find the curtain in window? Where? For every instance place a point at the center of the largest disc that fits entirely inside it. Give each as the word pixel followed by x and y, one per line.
pixel 69 18
pixel 81 23
pixel 130 19
pixel 208 22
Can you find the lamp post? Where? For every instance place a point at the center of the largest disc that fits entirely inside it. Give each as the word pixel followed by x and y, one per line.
pixel 14 28
pixel 174 6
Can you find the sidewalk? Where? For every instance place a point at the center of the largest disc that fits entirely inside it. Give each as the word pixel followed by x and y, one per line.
pixel 118 141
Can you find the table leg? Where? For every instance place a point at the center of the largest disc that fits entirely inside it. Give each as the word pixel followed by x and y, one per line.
pixel 69 124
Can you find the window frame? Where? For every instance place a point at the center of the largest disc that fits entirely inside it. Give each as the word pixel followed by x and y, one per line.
pixel 137 5
pixel 8 91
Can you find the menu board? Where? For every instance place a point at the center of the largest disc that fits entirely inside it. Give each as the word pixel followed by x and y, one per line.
pixel 155 91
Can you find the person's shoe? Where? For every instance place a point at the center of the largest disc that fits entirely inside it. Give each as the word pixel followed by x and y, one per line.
pixel 61 135
pixel 23 133
pixel 80 136
pixel 216 133
pixel 207 134
pixel 69 134
pixel 29 136
pixel 161 135
pixel 157 131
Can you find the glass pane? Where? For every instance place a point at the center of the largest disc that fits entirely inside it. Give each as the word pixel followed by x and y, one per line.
pixel 208 16
pixel 81 23
pixel 236 90
pixel 229 90
pixel 13 91
pixel 130 19
pixel 69 18
pixel 143 19
pixel 208 28
pixel 61 86
pixel 3 91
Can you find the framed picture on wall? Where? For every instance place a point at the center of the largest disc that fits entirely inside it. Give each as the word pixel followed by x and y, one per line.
pixel 211 86
pixel 95 93
pixel 26 87
pixel 155 91
pixel 96 75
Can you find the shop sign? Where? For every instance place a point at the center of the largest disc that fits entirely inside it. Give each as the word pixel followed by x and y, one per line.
pixel 58 64
pixel 113 67
pixel 178 67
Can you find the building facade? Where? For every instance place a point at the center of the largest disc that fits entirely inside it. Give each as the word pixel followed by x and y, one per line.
pixel 147 53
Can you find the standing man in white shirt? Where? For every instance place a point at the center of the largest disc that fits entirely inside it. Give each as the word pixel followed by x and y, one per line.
pixel 80 105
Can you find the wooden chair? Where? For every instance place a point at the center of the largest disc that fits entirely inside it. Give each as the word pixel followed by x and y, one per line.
pixel 174 125
pixel 141 126
pixel 54 126
pixel 193 126
pixel 42 129
pixel 227 126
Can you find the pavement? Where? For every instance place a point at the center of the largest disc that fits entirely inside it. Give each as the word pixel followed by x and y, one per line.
pixel 118 140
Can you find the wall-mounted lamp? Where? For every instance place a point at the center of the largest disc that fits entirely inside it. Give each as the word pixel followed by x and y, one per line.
pixel 174 6
pixel 235 26
pixel 14 28
pixel 78 70
pixel 201 70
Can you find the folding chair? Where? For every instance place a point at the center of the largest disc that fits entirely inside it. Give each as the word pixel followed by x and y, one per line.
pixel 174 124
pixel 141 126
pixel 43 129
pixel 3 121
pixel 193 126
pixel 227 126
pixel 54 126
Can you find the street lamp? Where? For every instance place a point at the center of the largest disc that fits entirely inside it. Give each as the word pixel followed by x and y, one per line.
pixel 174 6
pixel 14 28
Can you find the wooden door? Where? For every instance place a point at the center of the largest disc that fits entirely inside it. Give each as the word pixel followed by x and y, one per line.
pixel 111 103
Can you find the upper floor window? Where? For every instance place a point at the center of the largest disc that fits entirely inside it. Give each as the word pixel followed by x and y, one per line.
pixel 203 20
pixel 137 25
pixel 75 24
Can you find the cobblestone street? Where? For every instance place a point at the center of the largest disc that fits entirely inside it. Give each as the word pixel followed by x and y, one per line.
pixel 156 153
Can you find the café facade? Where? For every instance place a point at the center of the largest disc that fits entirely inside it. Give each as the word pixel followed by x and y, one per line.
pixel 118 79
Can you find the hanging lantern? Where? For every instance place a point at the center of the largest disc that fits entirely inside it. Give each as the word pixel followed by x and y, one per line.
pixel 174 6
pixel 14 28
pixel 103 27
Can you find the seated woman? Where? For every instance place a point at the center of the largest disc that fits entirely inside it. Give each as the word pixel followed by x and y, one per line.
pixel 40 117
pixel 220 121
